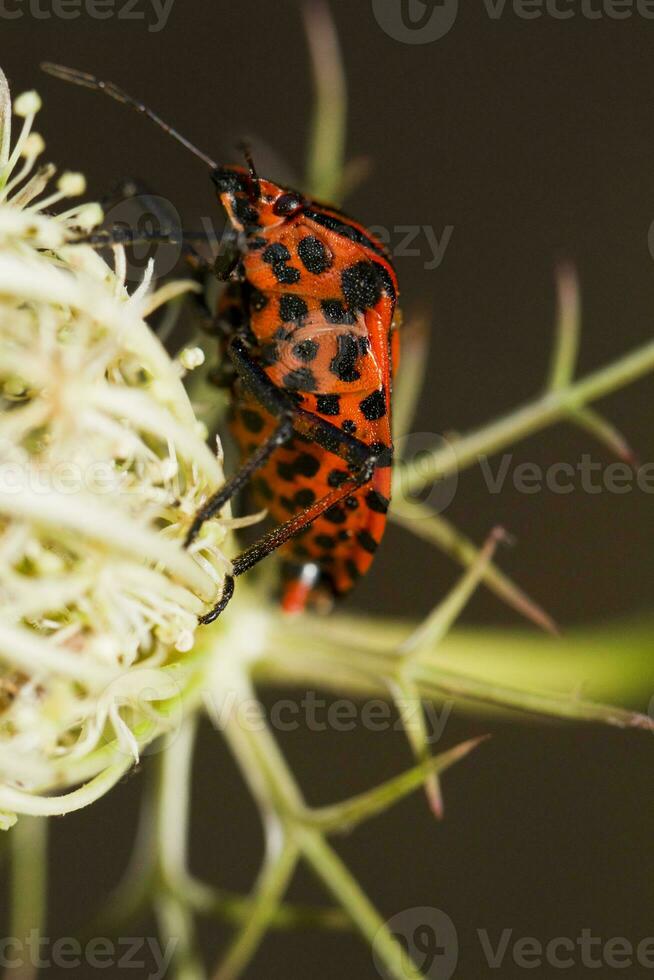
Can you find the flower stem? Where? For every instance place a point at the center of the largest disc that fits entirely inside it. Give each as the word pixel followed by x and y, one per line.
pixel 553 406
pixel 28 887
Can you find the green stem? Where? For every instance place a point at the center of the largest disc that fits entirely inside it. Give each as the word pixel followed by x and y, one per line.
pixel 273 882
pixel 28 887
pixel 172 816
pixel 329 867
pixel 326 157
pixel 551 407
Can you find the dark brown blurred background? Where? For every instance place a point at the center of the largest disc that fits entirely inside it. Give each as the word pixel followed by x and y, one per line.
pixel 532 138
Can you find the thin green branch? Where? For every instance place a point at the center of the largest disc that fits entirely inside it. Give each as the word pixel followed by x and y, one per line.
pixel 335 875
pixel 326 154
pixel 343 817
pixel 361 658
pixel 568 329
pixel 553 406
pixel 237 909
pixel 441 619
pixel 29 863
pixel 436 529
pixel 273 882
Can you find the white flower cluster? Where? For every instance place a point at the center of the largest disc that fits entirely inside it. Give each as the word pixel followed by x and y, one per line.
pixel 102 464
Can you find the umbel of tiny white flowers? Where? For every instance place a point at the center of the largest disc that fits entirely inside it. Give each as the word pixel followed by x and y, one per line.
pixel 102 463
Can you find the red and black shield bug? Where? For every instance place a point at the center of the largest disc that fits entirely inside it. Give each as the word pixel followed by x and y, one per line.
pixel 307 322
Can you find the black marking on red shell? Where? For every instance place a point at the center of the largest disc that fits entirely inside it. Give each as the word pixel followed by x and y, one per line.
pixel 328 404
pixel 252 420
pixel 337 478
pixel 361 285
pixel 277 256
pixel 367 542
pixel 306 465
pixel 292 308
pixel 306 350
pixel 305 497
pixel 374 406
pixel 335 515
pixel 313 255
pixel 377 502
pixel 344 364
pixel 335 312
pixel 302 379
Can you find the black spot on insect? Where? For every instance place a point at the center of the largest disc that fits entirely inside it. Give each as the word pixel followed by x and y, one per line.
pixel 335 312
pixel 325 541
pixel 287 504
pixel 352 569
pixel 252 421
pixel 285 471
pixel 361 285
pixel 258 301
pixel 349 426
pixel 344 535
pixel 335 515
pixel 305 497
pixel 377 502
pixel 364 345
pixel 383 453
pixel 257 243
pixel 286 275
pixel 306 465
pixel 367 542
pixel 302 379
pixel 292 308
pixel 262 487
pixel 374 406
pixel 328 404
pixel 276 253
pixel 313 255
pixel 344 364
pixel 306 350
pixel 351 503
pixel 337 478
pixel 276 256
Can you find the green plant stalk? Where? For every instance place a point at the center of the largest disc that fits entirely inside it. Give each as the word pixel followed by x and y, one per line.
pixel 516 671
pixel 326 154
pixel 273 881
pixel 29 843
pixel 552 406
pixel 171 828
pixel 282 808
pixel 335 875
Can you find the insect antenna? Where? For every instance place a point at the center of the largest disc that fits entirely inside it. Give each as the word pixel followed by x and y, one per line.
pixel 246 150
pixel 113 91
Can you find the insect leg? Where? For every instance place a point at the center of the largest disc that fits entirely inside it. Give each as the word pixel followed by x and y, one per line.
pixel 360 458
pixel 259 458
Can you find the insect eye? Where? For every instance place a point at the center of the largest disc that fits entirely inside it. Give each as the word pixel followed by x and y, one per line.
pixel 287 204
